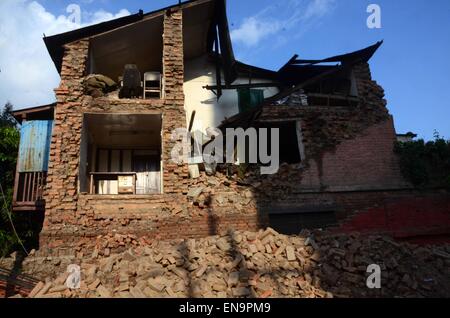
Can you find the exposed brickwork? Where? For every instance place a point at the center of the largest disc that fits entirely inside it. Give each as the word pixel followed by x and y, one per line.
pixel 363 163
pixel 173 72
pixel 64 212
pixel 346 148
pixel 62 181
pixel 348 151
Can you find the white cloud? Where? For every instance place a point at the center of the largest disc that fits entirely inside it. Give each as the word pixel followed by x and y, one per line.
pixel 27 73
pixel 292 14
pixel 318 8
pixel 253 30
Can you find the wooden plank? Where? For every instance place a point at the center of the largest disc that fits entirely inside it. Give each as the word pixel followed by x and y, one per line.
pixel 126 161
pixel 25 188
pixel 33 187
pixel 238 86
pixel 30 207
pixel 292 60
pixel 309 81
pixel 191 121
pixel 115 161
pixel 16 182
pixel 43 183
pixel 349 98
pixel 112 173
pixel 29 187
pixel 102 160
pixel 39 185
pixel 36 185
pixel 91 185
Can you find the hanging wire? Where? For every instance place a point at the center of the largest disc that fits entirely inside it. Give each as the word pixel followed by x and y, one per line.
pixel 8 213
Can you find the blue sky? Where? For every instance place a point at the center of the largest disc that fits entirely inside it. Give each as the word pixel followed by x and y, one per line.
pixel 413 65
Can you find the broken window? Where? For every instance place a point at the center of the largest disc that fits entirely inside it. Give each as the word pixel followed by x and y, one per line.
pixel 249 98
pixel 121 154
pixel 289 145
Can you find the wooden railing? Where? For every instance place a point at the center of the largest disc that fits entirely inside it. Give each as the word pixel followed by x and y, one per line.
pixel 29 187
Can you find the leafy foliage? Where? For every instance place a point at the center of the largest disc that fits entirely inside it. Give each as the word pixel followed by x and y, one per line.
pixel 425 164
pixel 9 136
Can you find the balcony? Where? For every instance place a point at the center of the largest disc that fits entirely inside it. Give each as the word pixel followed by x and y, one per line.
pixel 28 191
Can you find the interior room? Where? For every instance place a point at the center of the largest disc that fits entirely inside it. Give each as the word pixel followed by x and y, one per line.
pixel 121 154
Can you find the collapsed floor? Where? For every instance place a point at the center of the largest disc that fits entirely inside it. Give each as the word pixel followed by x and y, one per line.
pixel 245 264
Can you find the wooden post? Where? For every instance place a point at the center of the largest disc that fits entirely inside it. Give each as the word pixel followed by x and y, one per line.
pixel 91 185
pixel 16 183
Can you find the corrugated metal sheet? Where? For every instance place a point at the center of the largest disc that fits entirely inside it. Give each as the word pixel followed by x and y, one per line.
pixel 34 149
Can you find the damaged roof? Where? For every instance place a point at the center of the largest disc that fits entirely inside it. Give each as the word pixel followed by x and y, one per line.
pixel 297 74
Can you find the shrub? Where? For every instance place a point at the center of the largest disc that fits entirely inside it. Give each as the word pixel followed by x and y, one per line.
pixel 425 164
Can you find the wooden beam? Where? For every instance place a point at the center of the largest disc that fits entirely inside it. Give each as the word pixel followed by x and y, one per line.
pixel 191 121
pixel 226 48
pixel 331 96
pixel 237 86
pixel 16 182
pixel 303 84
pixel 218 70
pixel 292 59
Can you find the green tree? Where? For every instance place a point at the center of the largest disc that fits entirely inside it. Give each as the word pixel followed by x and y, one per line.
pixel 9 137
pixel 425 164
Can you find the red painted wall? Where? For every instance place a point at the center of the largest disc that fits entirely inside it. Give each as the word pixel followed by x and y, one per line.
pixel 427 215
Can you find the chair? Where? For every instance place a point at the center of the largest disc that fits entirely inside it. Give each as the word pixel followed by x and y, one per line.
pixel 152 84
pixel 131 85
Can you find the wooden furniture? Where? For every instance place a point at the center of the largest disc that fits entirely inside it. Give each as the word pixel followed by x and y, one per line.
pixel 152 84
pixel 122 189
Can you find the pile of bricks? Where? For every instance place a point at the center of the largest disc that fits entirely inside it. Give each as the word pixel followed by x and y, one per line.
pixel 253 264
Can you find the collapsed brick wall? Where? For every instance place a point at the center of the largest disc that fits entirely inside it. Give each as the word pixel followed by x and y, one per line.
pixel 364 162
pixel 371 212
pixel 346 149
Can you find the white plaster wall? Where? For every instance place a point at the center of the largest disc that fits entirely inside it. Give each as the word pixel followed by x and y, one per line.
pixel 210 112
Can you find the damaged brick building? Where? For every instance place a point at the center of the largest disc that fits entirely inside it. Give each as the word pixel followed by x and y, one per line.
pixel 99 161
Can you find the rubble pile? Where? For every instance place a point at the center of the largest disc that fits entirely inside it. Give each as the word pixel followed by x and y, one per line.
pixel 248 264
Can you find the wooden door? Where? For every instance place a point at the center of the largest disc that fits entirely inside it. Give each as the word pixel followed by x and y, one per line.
pixel 147 170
